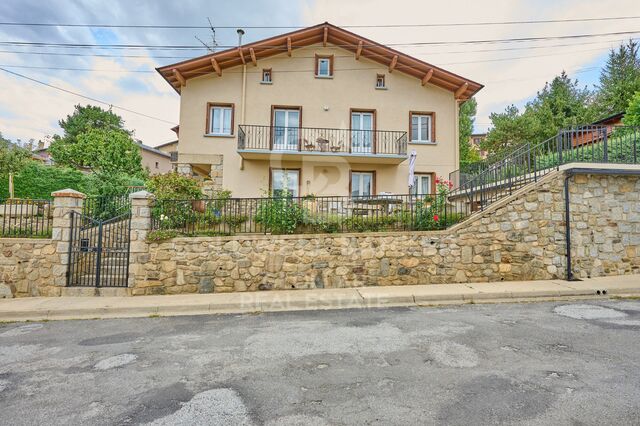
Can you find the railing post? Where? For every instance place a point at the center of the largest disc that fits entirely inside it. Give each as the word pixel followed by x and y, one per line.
pixel 559 146
pixel 66 203
pixel 606 147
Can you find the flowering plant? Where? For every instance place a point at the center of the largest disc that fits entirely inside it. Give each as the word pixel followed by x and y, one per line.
pixel 431 211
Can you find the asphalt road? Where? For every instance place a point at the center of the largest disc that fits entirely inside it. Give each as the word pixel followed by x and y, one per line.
pixel 544 363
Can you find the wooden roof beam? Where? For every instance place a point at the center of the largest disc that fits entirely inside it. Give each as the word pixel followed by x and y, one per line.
pixel 216 67
pixel 179 77
pixel 288 46
pixel 461 90
pixel 325 37
pixel 427 77
pixel 393 63
pixel 241 53
pixel 253 57
pixel 359 49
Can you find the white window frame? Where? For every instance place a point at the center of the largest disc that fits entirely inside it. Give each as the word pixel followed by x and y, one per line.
pixel 293 191
pixel 225 111
pixel 379 78
pixel 268 72
pixel 321 60
pixel 417 183
pixel 361 184
pixel 418 137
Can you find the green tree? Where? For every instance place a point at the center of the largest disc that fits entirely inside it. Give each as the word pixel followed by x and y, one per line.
pixel 619 79
pixel 13 159
pixel 561 103
pixel 466 117
pixel 509 130
pixel 632 114
pixel 96 139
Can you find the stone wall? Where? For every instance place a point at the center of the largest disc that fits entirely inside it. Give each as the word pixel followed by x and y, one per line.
pixel 26 267
pixel 38 267
pixel 519 238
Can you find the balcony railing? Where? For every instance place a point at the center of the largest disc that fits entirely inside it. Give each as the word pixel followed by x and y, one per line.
pixel 312 140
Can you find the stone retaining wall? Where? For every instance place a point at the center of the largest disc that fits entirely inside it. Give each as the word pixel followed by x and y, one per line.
pixel 27 267
pixel 519 238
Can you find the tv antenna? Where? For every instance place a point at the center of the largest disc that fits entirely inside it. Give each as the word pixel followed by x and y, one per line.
pixel 214 43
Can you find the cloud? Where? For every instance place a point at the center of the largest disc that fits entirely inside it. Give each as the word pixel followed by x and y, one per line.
pixel 506 82
pixel 29 110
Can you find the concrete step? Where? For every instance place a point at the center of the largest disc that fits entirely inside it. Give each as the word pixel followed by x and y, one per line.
pixel 95 291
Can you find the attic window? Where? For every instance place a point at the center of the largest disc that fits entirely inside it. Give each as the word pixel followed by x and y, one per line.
pixel 266 76
pixel 324 66
pixel 380 82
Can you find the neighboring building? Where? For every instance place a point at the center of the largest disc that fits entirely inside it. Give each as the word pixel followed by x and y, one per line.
pixel 155 160
pixel 475 140
pixel 322 110
pixel 170 148
pixel 596 131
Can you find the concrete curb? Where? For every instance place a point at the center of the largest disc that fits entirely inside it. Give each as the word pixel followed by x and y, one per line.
pixel 38 309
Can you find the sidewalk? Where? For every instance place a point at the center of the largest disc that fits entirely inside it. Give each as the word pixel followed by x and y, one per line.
pixel 57 308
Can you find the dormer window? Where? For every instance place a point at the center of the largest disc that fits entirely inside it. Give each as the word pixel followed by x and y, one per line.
pixel 266 76
pixel 324 66
pixel 380 82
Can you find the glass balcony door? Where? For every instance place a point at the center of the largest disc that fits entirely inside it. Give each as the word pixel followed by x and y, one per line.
pixel 361 132
pixel 286 129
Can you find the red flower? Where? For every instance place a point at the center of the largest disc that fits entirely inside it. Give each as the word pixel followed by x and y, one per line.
pixel 437 180
pixel 435 217
pixel 450 185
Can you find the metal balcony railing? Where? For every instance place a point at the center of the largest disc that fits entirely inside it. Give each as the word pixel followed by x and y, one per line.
pixel 322 140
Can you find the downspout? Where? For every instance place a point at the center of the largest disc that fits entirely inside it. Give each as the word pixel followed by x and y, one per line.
pixel 567 224
pixel 243 96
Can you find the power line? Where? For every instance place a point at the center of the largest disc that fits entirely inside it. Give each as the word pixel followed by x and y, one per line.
pixel 85 97
pixel 442 24
pixel 98 55
pixel 424 43
pixel 305 71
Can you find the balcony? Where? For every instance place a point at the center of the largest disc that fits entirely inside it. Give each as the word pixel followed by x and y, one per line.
pixel 357 146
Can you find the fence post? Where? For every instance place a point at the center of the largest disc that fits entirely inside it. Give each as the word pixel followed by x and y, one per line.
pixel 65 201
pixel 141 203
pixel 606 147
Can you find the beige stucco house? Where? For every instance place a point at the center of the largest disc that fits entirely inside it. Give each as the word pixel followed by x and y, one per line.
pixel 321 110
pixel 154 160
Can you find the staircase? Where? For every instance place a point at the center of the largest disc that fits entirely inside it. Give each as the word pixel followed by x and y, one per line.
pixel 484 183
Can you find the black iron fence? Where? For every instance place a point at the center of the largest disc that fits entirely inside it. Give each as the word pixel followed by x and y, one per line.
pixel 310 214
pixel 528 163
pixel 109 206
pixel 322 140
pixel 26 218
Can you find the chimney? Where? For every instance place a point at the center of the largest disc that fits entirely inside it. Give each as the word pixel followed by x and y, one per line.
pixel 240 32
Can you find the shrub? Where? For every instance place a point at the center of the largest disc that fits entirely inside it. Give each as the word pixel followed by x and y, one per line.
pixel 174 186
pixel 161 235
pixel 38 181
pixel 280 215
pixel 431 212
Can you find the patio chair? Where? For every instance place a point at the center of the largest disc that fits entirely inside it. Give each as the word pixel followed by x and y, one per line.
pixel 337 147
pixel 308 145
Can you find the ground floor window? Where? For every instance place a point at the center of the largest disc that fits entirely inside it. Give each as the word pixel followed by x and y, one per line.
pixel 282 179
pixel 421 184
pixel 362 184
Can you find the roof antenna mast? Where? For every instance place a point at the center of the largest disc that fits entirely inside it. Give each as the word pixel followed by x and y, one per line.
pixel 214 43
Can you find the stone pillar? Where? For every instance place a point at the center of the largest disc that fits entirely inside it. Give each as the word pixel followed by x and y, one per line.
pixel 64 202
pixel 141 203
pixel 184 169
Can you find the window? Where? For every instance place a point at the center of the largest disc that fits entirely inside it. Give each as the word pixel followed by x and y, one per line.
pixel 285 178
pixel 380 83
pixel 324 66
pixel 362 184
pixel 266 76
pixel 157 165
pixel 422 129
pixel 220 119
pixel 421 184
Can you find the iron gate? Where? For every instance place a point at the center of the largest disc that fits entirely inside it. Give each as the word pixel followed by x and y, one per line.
pixel 99 251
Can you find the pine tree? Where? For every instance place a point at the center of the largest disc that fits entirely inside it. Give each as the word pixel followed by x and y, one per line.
pixel 466 117
pixel 619 79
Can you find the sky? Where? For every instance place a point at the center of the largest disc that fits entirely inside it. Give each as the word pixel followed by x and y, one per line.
pixel 511 72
